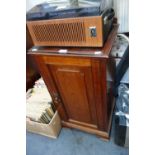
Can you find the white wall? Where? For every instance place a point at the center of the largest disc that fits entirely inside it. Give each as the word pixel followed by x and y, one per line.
pixel 121 8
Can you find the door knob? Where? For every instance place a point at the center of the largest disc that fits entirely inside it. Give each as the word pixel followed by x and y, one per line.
pixel 56 98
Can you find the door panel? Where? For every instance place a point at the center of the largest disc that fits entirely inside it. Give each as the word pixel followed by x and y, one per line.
pixel 76 90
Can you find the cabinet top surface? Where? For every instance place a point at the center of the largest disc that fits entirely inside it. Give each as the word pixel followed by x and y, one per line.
pixel 102 52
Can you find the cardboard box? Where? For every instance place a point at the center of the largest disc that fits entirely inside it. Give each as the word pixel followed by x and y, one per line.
pixel 51 130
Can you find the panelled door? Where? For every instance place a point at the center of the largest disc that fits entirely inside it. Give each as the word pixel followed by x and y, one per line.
pixel 73 79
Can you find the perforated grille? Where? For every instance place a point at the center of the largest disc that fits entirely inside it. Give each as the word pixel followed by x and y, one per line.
pixel 65 32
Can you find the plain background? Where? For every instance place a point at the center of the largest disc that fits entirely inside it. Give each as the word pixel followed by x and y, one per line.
pixel 13 77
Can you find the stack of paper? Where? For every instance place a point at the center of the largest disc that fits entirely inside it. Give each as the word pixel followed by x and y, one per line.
pixel 39 103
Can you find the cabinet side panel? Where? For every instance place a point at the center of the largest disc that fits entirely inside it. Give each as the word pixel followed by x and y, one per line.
pixel 111 68
pixel 98 71
pixel 104 91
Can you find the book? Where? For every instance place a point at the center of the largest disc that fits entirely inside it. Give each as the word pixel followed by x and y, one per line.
pixel 53 107
pixel 44 118
pixel 41 120
pixel 47 116
pixel 50 112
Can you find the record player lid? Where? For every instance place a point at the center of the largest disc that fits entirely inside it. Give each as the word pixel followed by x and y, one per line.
pixel 66 8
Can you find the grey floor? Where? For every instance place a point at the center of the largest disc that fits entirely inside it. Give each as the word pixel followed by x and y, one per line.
pixel 72 142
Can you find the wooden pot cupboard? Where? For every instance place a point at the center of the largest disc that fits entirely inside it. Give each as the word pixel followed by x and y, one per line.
pixel 80 81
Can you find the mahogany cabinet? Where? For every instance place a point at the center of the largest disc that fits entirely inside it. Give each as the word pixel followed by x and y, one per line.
pixel 80 81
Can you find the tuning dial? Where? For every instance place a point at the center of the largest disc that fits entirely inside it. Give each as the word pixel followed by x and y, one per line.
pixel 92 31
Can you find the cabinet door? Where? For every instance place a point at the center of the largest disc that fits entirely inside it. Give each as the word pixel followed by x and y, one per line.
pixel 75 87
pixel 73 80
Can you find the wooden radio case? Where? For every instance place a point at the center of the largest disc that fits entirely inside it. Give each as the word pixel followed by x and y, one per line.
pixel 89 31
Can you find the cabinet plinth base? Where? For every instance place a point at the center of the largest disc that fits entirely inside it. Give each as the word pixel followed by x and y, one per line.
pixel 105 135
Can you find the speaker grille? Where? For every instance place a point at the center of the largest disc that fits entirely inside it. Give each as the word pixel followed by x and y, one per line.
pixel 63 32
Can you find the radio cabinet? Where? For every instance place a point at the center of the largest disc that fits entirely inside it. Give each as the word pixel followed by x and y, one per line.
pixel 90 31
